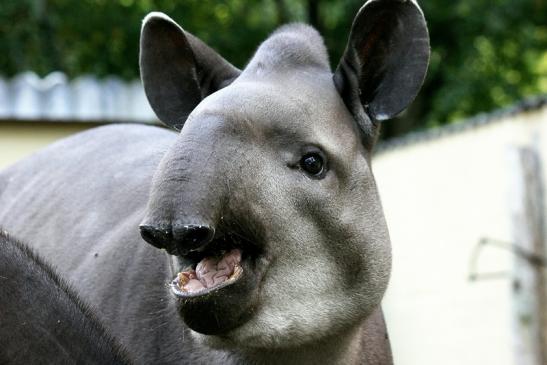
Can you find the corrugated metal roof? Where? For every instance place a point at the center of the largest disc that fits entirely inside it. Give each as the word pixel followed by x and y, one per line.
pixel 85 99
pixel 27 97
pixel 528 104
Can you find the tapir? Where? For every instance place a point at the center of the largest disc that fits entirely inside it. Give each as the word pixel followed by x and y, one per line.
pixel 42 319
pixel 267 240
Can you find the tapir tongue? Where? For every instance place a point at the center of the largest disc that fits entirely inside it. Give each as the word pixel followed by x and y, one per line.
pixel 210 272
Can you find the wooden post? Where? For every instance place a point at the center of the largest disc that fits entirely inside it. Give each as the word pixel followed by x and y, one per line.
pixel 528 280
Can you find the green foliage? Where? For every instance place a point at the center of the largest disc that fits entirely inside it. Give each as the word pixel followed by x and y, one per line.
pixel 485 53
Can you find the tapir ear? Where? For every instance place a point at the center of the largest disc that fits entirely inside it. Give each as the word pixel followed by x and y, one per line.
pixel 178 70
pixel 385 61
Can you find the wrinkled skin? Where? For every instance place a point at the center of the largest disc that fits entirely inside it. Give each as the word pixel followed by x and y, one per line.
pixel 315 249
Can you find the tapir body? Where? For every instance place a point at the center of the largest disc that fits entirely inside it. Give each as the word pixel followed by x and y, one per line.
pixel 43 320
pixel 278 251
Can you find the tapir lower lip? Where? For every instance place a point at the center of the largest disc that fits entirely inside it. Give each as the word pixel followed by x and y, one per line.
pixel 226 306
pixel 201 294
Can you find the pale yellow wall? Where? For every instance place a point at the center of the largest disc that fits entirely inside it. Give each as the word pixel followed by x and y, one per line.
pixel 19 139
pixel 440 197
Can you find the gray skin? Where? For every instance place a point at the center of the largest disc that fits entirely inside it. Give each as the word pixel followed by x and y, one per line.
pixel 316 251
pixel 43 320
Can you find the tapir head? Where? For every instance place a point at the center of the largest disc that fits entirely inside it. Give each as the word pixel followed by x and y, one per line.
pixel 267 197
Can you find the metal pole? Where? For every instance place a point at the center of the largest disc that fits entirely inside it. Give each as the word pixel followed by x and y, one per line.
pixel 528 280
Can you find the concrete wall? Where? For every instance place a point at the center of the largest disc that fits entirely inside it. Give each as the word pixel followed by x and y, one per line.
pixel 440 198
pixel 20 139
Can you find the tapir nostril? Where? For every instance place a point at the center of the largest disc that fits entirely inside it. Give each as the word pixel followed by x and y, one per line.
pixel 179 240
pixel 154 236
pixel 192 236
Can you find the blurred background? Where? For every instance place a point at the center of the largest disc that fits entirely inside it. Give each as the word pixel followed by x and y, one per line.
pixel 460 172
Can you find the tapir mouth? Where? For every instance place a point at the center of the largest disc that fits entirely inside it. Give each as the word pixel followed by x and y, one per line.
pixel 209 274
pixel 226 260
pixel 217 286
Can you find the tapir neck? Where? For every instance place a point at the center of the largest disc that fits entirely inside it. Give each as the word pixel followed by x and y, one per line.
pixel 343 348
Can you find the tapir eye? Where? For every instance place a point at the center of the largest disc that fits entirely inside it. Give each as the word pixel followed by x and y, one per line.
pixel 313 164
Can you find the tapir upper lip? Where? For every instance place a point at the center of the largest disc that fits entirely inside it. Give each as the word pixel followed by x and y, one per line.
pixel 221 242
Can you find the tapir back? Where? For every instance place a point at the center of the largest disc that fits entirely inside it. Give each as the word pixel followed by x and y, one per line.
pixel 43 320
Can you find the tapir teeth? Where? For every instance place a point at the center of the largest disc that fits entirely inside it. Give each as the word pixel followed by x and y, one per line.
pixel 183 279
pixel 237 271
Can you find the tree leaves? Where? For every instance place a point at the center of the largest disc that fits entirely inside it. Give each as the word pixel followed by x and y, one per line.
pixel 485 53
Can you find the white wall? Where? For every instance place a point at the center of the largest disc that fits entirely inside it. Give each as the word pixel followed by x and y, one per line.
pixel 440 197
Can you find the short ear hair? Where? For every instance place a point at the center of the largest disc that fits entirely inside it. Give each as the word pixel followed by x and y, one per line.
pixel 178 70
pixel 385 61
